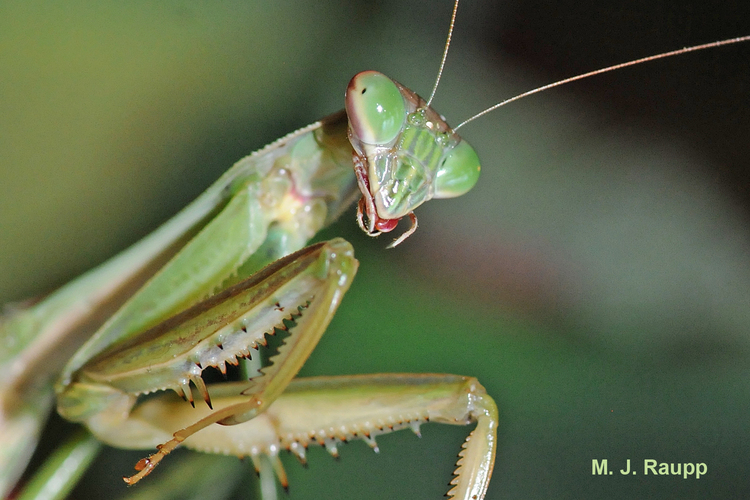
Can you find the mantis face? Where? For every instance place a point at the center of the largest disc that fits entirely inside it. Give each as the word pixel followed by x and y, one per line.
pixel 404 153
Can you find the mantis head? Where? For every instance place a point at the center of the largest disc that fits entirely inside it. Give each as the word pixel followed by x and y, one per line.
pixel 404 153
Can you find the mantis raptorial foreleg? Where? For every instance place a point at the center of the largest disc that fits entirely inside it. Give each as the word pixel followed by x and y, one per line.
pixel 214 333
pixel 330 410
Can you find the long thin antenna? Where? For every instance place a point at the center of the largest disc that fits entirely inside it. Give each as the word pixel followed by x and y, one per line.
pixel 605 70
pixel 445 53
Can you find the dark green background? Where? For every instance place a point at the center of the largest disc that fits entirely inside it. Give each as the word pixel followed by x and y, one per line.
pixel 596 281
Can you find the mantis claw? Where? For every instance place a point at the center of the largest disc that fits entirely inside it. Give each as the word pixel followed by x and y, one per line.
pixel 201 385
pixel 146 465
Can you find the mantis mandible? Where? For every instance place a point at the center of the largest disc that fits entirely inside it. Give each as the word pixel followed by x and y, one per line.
pixel 310 219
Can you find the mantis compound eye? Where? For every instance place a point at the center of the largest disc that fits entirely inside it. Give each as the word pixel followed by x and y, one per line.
pixel 375 108
pixel 458 172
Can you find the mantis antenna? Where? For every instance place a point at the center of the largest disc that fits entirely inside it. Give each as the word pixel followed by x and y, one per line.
pixel 634 62
pixel 445 53
pixel 663 55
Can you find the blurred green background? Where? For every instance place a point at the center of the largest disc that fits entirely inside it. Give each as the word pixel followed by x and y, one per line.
pixel 596 281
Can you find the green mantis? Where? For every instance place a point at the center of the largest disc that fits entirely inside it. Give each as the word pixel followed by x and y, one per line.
pixel 234 274
pixel 183 403
pixel 226 272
